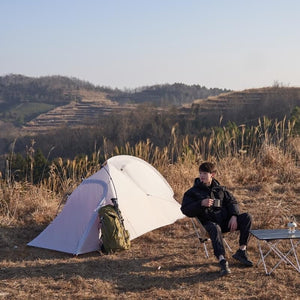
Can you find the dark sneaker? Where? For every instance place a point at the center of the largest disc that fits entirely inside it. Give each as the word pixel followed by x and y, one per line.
pixel 242 257
pixel 224 267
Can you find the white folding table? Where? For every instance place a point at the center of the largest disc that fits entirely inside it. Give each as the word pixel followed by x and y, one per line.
pixel 272 238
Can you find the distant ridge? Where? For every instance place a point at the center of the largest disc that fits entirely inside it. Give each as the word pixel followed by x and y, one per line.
pixel 38 105
pixel 85 112
pixel 242 107
pixel 248 106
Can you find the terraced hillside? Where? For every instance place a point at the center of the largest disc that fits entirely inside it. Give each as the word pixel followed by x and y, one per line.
pixel 40 104
pixel 248 105
pixel 77 113
pixel 242 107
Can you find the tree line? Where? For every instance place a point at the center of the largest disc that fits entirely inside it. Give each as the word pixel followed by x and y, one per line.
pixel 148 122
pixel 166 94
pixel 143 125
pixel 60 90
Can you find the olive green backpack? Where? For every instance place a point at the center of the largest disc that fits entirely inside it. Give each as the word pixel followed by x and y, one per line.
pixel 114 236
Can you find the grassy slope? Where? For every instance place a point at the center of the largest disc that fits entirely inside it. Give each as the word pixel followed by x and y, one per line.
pixel 166 263
pixel 26 111
pixel 234 106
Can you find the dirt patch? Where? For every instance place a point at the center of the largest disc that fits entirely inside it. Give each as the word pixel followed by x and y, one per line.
pixel 168 263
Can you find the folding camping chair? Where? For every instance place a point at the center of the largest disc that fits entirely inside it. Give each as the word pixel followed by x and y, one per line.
pixel 203 236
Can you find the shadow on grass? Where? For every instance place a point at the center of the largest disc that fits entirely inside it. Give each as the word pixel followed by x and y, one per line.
pixel 125 271
pixel 13 244
pixel 132 274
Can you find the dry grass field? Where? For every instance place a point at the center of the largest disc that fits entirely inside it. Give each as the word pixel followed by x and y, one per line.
pixel 167 263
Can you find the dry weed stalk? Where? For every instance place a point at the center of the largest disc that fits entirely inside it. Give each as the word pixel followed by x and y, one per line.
pixel 24 203
pixel 265 154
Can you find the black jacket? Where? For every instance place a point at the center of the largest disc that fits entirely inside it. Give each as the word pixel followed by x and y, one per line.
pixel 191 203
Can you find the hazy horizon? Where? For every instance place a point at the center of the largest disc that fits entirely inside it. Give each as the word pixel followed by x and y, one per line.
pixel 129 44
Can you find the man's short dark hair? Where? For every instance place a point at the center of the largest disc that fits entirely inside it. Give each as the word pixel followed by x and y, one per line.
pixel 208 167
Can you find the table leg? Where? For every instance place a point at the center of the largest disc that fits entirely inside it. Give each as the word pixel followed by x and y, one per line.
pixel 283 257
pixel 294 246
pixel 264 255
pixel 262 259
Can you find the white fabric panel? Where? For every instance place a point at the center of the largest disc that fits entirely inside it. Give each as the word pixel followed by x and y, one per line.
pixel 143 208
pixel 65 232
pixel 142 174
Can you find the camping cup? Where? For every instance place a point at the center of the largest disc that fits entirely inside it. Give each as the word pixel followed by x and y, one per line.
pixel 217 202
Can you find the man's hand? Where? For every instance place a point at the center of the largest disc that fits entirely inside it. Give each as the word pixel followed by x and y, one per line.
pixel 207 202
pixel 232 224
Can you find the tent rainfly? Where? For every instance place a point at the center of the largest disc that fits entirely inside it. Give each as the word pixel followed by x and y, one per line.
pixel 144 196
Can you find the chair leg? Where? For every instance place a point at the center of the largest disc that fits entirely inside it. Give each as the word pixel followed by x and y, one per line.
pixel 205 249
pixel 201 240
pixel 227 245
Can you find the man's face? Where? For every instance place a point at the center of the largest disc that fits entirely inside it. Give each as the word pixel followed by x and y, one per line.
pixel 206 177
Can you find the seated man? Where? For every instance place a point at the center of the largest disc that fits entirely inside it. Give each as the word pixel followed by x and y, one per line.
pixel 218 212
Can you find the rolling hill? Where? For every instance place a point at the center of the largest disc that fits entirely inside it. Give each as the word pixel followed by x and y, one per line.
pixel 246 107
pixel 81 113
pixel 51 107
pixel 241 107
pixel 37 105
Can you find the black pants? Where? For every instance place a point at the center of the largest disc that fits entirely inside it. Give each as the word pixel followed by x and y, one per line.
pixel 215 231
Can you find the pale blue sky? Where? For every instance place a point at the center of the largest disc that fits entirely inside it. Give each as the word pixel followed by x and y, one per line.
pixel 234 44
